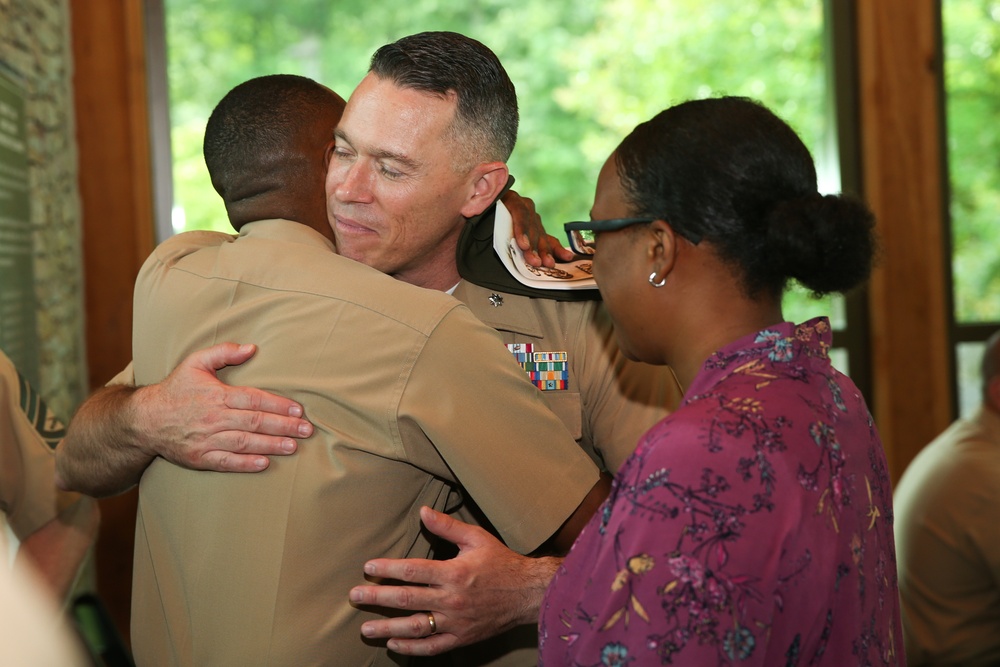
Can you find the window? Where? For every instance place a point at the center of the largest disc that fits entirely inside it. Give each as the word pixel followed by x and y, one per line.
pixel 971 31
pixel 586 73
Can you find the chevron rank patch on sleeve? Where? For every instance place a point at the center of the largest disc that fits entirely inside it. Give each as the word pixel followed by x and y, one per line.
pixel 39 414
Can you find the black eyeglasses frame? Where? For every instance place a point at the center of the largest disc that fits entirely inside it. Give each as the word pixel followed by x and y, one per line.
pixel 583 246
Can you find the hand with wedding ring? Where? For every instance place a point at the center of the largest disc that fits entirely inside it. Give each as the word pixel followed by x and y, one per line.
pixel 485 590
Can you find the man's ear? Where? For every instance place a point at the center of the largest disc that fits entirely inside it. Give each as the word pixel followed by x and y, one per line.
pixel 661 250
pixel 488 181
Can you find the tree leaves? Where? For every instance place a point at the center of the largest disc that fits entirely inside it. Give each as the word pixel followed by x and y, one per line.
pixel 586 72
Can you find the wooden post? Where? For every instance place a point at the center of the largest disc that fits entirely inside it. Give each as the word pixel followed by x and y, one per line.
pixel 118 233
pixel 900 63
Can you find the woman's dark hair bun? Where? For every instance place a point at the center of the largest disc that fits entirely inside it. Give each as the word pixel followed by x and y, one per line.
pixel 825 242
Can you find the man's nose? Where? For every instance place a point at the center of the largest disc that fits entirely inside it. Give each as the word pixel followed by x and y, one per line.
pixel 352 182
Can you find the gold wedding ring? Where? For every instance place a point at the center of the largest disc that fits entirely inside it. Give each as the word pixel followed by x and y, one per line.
pixel 432 623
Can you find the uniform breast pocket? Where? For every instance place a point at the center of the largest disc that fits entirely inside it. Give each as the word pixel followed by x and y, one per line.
pixel 566 405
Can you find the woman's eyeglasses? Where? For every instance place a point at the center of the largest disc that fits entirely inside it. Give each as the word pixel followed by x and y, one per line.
pixel 583 235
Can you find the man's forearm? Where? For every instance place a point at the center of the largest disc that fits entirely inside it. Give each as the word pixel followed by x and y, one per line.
pixel 560 543
pixel 102 453
pixel 537 573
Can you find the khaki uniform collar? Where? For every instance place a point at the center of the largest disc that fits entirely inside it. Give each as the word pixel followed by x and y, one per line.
pixel 515 313
pixel 288 231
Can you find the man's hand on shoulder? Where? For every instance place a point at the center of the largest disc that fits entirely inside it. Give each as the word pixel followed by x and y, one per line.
pixel 191 419
pixel 195 420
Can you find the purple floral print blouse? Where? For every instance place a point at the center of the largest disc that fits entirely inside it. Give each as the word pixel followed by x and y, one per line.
pixel 753 526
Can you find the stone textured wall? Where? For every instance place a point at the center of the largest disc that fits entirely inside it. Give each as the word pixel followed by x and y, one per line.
pixel 35 45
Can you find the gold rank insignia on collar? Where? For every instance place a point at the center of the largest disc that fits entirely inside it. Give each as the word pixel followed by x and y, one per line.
pixel 549 371
pixel 496 300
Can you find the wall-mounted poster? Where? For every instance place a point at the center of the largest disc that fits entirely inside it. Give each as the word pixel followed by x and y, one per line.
pixel 18 332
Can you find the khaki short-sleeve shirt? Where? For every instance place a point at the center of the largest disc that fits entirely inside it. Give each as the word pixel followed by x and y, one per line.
pixel 411 396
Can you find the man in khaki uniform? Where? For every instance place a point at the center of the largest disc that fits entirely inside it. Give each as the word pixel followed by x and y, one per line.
pixel 609 401
pixel 388 152
pixel 240 570
pixel 55 527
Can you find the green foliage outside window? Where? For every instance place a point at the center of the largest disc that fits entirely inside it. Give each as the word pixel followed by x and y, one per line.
pixel 586 73
pixel 972 82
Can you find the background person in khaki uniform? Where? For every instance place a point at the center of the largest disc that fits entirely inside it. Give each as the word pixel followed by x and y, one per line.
pixel 374 351
pixel 55 527
pixel 948 539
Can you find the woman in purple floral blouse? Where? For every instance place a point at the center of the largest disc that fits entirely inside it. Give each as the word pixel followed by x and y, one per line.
pixel 752 526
